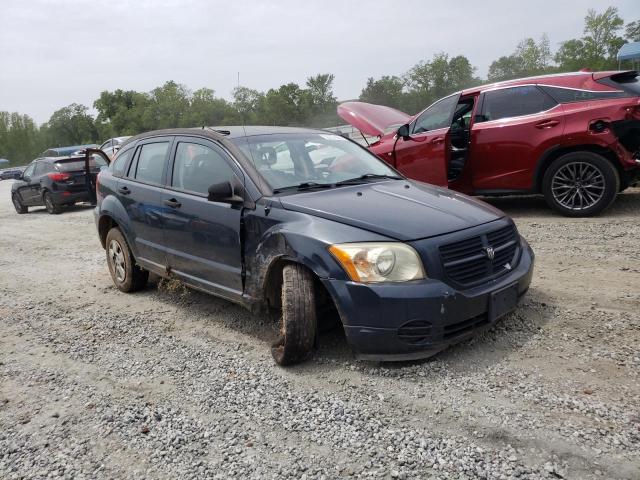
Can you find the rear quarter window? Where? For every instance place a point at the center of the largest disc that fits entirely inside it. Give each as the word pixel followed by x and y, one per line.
pixel 119 164
pixel 569 95
pixel 627 81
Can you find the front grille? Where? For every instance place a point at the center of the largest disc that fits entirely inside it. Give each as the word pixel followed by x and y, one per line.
pixel 468 261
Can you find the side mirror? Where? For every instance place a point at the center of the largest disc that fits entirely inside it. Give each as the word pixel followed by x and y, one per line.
pixel 403 131
pixel 224 192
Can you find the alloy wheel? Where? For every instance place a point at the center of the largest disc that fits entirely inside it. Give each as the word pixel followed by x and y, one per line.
pixel 116 257
pixel 578 185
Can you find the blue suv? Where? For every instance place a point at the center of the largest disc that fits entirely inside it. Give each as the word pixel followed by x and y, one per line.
pixel 303 221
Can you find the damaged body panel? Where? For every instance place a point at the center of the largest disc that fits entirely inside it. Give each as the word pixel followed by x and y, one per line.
pixel 303 222
pixel 520 137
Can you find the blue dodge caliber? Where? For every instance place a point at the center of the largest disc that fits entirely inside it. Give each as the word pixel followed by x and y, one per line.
pixel 302 222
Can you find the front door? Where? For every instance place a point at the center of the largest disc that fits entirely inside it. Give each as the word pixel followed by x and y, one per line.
pixel 424 154
pixel 140 192
pixel 24 188
pixel 202 236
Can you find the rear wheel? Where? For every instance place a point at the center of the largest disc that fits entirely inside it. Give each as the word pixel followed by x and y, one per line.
pixel 126 275
pixel 18 204
pixel 52 207
pixel 297 327
pixel 580 184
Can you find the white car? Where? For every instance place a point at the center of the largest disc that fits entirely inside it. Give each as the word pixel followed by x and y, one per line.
pixel 111 146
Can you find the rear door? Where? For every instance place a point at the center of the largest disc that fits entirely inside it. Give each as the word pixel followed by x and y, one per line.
pixel 515 126
pixel 140 192
pixel 202 236
pixel 424 155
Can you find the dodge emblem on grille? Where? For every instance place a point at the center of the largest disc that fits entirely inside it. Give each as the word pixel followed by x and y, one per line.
pixel 489 252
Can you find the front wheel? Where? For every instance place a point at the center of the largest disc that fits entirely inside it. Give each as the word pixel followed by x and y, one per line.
pixel 126 275
pixel 52 207
pixel 297 327
pixel 580 184
pixel 20 208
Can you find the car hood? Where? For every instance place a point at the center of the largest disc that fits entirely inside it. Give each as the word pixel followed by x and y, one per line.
pixel 403 210
pixel 371 119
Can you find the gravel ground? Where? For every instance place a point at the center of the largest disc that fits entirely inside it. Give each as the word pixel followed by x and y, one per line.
pixel 170 383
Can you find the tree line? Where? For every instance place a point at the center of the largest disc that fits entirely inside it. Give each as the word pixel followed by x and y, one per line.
pixel 130 112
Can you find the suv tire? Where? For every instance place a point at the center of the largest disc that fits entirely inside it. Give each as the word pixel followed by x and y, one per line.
pixel 20 208
pixel 50 205
pixel 298 324
pixel 126 275
pixel 580 184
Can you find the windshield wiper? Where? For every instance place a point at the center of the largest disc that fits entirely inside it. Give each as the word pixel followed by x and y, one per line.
pixel 368 176
pixel 303 186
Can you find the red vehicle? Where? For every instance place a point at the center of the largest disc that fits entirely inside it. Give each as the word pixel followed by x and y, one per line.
pixel 574 137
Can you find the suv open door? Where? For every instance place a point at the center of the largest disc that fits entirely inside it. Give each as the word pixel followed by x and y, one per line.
pixel 89 178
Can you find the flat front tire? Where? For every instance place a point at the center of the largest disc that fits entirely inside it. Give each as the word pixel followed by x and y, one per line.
pixel 580 184
pixel 298 323
pixel 126 275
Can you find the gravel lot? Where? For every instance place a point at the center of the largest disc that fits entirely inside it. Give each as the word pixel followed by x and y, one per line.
pixel 170 383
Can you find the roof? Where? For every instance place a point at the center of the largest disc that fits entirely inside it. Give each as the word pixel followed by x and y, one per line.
pixel 517 81
pixel 629 51
pixel 222 132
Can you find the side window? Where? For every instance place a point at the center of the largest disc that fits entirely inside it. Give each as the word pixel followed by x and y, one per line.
pixel 41 169
pixel 28 172
pixel 569 95
pixel 150 162
pixel 120 163
pixel 197 167
pixel 515 102
pixel 437 115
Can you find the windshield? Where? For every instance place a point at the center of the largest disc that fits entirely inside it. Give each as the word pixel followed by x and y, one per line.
pixel 292 159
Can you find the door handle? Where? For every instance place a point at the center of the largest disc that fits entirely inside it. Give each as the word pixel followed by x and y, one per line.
pixel 173 203
pixel 124 190
pixel 437 140
pixel 547 124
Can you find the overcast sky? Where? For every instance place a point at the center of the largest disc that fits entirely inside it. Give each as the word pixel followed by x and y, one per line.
pixel 53 53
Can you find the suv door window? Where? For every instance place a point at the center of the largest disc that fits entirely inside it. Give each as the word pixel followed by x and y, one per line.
pixel 28 172
pixel 40 169
pixel 198 166
pixel 437 115
pixel 150 162
pixel 515 102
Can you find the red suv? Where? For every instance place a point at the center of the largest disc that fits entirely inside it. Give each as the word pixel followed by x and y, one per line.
pixel 574 137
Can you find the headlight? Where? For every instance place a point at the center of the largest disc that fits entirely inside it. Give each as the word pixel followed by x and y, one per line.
pixel 378 261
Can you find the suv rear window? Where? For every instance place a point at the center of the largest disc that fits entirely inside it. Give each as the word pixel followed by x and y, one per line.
pixel 515 102
pixel 77 164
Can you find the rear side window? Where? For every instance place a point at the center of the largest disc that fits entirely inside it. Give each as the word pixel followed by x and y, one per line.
pixel 120 163
pixel 197 167
pixel 627 81
pixel 150 163
pixel 515 102
pixel 41 169
pixel 569 95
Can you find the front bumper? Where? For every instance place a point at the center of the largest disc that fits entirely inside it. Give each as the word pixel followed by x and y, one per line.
pixel 375 316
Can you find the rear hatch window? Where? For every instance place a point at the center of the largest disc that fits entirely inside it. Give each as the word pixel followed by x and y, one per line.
pixel 77 164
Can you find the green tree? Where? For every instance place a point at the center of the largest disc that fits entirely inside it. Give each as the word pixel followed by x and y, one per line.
pixel 598 46
pixel 632 31
pixel 384 91
pixel 71 125
pixel 120 112
pixel 529 58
